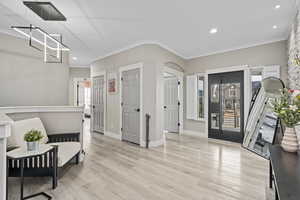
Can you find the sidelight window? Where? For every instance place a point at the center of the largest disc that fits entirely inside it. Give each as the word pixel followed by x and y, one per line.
pixel 195 98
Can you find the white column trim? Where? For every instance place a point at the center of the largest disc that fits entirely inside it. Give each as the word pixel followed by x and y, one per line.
pixel 5 123
pixel 34 109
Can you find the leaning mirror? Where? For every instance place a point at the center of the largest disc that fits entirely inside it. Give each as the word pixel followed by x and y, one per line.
pixel 262 125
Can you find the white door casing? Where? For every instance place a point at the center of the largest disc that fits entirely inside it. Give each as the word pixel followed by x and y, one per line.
pixel 171 104
pixel 79 92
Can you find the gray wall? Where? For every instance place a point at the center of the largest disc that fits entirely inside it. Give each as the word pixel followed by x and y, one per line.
pixel 268 54
pixel 26 80
pixel 153 58
pixel 76 72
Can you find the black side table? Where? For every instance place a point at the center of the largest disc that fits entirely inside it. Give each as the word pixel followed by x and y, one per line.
pixel 21 156
pixel 285 172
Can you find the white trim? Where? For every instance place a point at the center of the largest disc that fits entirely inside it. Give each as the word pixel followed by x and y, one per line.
pixel 5 120
pixel 193 133
pixel 127 68
pixel 101 73
pixel 173 71
pixel 156 143
pixel 206 103
pixel 137 45
pixel 183 56
pixel 75 82
pixel 80 66
pixel 145 42
pixel 247 88
pixel 247 94
pixel 5 131
pixel 113 135
pixel 227 69
pixel 199 74
pixel 199 119
pixel 236 48
pixel 179 76
pixel 39 109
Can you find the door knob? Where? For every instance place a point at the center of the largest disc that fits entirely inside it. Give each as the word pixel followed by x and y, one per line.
pixel 165 107
pixel 137 110
pixel 93 106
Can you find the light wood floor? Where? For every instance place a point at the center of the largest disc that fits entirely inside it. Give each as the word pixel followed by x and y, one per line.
pixel 186 168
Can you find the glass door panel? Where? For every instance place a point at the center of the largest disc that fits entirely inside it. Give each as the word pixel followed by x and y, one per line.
pixel 215 105
pixel 231 107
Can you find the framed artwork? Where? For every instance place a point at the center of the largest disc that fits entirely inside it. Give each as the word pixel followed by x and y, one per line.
pixel 112 83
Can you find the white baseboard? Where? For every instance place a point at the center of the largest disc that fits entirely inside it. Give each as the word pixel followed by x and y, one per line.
pixel 113 135
pixel 193 133
pixel 143 143
pixel 156 143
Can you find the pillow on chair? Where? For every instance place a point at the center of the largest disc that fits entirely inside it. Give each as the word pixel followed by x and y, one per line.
pixel 19 128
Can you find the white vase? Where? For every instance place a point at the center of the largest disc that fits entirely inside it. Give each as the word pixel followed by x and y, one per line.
pixel 297 129
pixel 289 141
pixel 33 146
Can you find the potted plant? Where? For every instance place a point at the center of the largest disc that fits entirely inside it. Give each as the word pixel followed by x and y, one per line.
pixel 287 108
pixel 32 139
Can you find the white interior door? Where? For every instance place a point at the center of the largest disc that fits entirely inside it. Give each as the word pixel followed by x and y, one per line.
pixel 131 106
pixel 98 103
pixel 171 105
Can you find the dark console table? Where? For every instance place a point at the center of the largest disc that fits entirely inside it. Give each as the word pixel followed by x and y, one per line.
pixel 285 172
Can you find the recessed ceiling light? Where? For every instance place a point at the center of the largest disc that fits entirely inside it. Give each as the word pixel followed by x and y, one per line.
pixel 213 31
pixel 74 58
pixel 275 27
pixel 277 6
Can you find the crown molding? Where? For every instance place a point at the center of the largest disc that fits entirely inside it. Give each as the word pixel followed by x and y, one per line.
pixel 237 48
pixel 189 57
pixel 137 45
pixel 146 42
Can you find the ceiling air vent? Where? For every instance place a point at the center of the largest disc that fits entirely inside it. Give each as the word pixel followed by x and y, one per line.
pixel 46 10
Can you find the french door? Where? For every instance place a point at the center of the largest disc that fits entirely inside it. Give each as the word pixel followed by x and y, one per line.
pixel 226 106
pixel 98 104
pixel 131 106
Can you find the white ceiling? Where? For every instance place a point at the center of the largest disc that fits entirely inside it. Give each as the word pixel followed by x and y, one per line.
pixel 96 28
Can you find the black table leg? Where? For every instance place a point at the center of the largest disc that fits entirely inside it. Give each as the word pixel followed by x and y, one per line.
pixel 270 176
pixel 7 174
pixel 22 178
pixel 22 186
pixel 39 194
